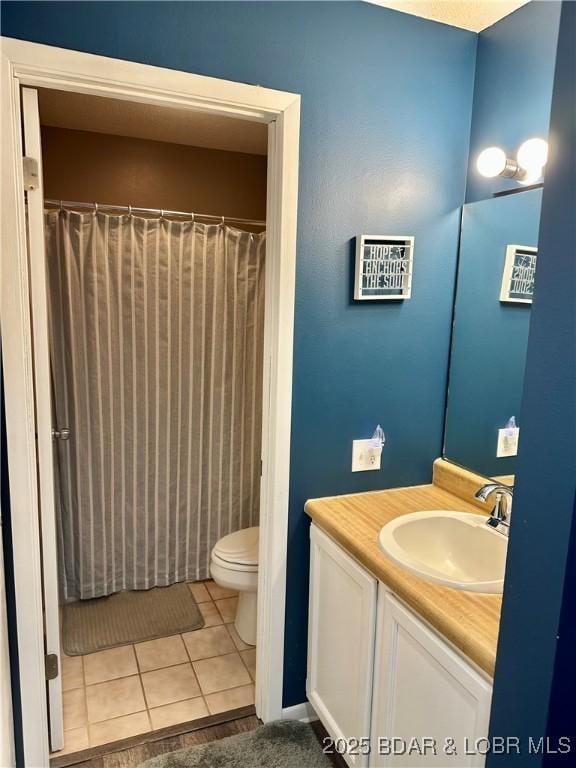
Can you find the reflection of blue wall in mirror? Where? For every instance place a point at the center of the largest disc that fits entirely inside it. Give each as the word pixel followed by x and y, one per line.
pixel 513 87
pixel 490 337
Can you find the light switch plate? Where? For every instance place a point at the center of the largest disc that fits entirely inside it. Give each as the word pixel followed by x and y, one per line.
pixel 365 456
pixel 507 442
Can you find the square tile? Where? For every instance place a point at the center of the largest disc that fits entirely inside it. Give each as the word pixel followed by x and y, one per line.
pixel 217 592
pixel 72 672
pixel 75 740
pixel 199 591
pixel 110 664
pixel 74 705
pixel 165 686
pixel 114 699
pixel 164 652
pixel 210 614
pixel 221 672
pixel 204 643
pixel 224 701
pixel 119 728
pixel 227 609
pixel 249 658
pixel 180 712
pixel 238 642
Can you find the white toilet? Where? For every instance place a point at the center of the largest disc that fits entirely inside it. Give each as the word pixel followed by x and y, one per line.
pixel 234 564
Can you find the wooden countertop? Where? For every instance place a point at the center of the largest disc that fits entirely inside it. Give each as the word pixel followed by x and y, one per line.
pixel 469 620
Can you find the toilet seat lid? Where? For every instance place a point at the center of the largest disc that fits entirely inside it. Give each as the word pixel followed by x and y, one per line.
pixel 239 547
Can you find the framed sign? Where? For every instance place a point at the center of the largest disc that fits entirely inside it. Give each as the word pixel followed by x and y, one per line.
pixel 383 267
pixel 518 277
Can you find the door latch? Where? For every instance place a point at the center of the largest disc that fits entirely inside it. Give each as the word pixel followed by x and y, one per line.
pixel 31 175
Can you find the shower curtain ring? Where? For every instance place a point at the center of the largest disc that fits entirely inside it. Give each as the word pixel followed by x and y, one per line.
pixel 95 208
pixel 161 213
pixel 129 210
pixel 222 222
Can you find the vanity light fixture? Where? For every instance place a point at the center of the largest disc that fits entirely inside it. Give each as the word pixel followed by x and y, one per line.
pixel 526 169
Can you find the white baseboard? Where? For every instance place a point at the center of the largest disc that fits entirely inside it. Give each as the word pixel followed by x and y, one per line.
pixel 303 712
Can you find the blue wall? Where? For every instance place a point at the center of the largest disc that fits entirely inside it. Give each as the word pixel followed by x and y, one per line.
pixel 513 88
pixel 535 659
pixel 386 106
pixel 490 337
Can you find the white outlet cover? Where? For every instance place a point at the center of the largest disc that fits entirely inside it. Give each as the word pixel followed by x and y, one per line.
pixel 507 442
pixel 365 456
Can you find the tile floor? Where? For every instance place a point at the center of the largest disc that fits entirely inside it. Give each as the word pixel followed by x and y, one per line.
pixel 132 689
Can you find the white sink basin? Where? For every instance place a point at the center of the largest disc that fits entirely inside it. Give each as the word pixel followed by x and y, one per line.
pixel 455 549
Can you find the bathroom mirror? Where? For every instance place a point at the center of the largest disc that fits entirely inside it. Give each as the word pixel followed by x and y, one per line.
pixel 498 243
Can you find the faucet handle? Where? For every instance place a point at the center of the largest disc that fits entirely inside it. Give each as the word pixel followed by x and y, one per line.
pixel 501 511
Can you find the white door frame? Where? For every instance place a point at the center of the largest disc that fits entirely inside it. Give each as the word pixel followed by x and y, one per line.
pixel 30 64
pixel 7 757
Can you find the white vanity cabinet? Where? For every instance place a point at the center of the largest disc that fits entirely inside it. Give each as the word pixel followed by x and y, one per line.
pixel 342 623
pixel 423 689
pixel 377 671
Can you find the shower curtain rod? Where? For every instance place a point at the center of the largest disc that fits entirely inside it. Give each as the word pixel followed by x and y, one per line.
pixel 160 212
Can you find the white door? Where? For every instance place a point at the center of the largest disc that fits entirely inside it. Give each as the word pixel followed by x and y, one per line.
pixel 39 304
pixel 341 646
pixel 426 696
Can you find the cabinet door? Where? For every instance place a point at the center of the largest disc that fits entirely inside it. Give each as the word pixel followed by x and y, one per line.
pixel 341 629
pixel 424 694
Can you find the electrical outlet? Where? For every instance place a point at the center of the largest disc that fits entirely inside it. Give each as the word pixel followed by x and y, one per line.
pixel 507 442
pixel 365 456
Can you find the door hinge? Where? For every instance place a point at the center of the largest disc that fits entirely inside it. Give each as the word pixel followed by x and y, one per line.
pixel 61 434
pixel 31 175
pixel 51 664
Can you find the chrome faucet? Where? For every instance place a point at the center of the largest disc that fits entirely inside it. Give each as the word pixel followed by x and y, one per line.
pixel 500 515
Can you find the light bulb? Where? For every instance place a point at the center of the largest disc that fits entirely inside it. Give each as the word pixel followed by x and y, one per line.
pixel 491 162
pixel 533 176
pixel 532 155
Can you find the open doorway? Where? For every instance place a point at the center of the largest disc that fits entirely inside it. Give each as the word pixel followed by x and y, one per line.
pixel 26 326
pixel 155 247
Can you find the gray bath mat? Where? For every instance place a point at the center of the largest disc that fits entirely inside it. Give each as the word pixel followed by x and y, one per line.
pixel 128 617
pixel 282 744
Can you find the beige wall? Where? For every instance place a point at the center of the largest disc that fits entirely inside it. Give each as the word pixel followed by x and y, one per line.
pixel 97 167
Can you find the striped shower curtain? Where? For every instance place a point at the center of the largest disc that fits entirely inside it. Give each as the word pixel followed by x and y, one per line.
pixel 156 339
